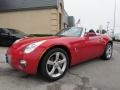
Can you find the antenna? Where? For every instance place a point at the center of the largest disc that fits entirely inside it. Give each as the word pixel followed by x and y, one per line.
pixel 114 19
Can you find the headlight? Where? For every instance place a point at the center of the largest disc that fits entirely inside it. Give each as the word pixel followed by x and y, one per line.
pixel 30 48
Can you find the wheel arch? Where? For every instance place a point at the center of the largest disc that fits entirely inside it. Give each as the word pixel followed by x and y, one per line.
pixel 110 42
pixel 52 47
pixel 104 55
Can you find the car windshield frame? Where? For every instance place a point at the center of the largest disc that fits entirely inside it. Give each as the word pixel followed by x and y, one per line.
pixel 71 32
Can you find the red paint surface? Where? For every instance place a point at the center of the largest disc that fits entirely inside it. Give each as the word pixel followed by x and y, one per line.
pixel 80 48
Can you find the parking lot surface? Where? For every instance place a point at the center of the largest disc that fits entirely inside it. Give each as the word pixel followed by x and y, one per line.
pixel 98 73
pixel 2 54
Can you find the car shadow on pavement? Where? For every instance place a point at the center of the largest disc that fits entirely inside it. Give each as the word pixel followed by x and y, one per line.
pixel 71 78
pixel 7 71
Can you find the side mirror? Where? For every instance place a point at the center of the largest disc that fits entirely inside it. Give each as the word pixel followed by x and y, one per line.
pixel 90 34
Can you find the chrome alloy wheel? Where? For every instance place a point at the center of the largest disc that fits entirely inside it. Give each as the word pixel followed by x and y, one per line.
pixel 56 64
pixel 109 51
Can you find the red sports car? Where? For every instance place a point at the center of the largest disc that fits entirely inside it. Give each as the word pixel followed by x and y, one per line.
pixel 52 56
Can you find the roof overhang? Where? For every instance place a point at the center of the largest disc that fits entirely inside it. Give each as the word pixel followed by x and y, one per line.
pixel 20 5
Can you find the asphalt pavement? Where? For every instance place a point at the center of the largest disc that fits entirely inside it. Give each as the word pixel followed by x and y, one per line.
pixel 98 73
pixel 2 54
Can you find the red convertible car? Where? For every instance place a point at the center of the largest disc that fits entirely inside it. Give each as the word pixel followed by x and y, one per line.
pixel 52 56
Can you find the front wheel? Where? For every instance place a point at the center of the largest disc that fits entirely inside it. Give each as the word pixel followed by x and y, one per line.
pixel 108 52
pixel 54 64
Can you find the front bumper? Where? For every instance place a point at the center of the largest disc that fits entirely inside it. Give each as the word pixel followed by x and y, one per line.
pixel 14 57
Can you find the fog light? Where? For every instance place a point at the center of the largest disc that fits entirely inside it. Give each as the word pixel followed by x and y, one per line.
pixel 23 63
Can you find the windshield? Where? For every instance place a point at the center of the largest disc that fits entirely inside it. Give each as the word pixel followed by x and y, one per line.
pixel 16 32
pixel 74 31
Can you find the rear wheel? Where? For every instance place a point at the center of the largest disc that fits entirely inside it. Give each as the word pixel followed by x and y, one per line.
pixel 54 64
pixel 108 52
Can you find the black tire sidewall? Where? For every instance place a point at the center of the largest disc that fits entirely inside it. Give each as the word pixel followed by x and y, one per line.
pixel 44 61
pixel 105 54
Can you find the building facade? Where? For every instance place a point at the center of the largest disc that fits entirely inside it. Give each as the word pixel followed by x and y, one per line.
pixel 69 21
pixel 33 16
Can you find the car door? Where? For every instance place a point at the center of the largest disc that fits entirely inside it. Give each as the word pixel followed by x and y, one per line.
pixel 93 47
pixel 3 36
pixel 89 47
pixel 13 37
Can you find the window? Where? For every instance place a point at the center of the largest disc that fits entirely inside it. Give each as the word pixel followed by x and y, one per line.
pixel 75 32
pixel 12 31
pixel 2 30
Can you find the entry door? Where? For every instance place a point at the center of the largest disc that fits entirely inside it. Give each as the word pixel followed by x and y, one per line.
pixel 88 48
pixel 93 47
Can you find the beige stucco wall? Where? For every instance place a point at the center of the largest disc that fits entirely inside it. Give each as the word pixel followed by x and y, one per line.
pixel 33 21
pixel 43 21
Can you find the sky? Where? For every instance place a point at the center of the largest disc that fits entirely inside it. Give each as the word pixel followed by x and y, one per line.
pixel 94 13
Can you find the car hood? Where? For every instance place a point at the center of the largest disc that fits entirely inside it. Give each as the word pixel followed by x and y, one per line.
pixel 29 40
pixel 50 40
pixel 36 39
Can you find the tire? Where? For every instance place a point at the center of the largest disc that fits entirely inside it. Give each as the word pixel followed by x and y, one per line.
pixel 51 67
pixel 108 52
pixel 6 43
